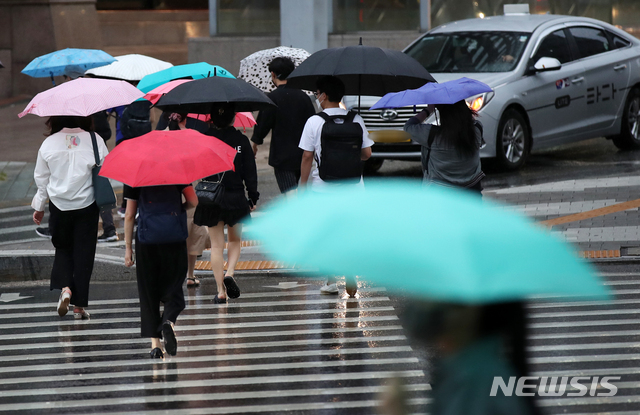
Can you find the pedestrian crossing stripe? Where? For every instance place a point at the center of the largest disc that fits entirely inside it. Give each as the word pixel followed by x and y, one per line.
pixel 247 265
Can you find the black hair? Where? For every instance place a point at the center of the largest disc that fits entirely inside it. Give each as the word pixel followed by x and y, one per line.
pixel 174 119
pixel 58 122
pixel 282 67
pixel 457 127
pixel 332 86
pixel 222 115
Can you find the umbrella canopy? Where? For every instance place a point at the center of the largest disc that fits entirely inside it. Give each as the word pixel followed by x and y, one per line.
pixel 365 70
pixel 132 67
pixel 55 63
pixel 442 243
pixel 154 95
pixel 243 119
pixel 445 93
pixel 82 97
pixel 167 157
pixel 190 71
pixel 254 68
pixel 199 96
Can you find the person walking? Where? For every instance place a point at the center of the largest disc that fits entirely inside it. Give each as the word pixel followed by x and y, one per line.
pixel 286 122
pixel 161 256
pixel 331 166
pixel 451 150
pixel 235 205
pixel 63 174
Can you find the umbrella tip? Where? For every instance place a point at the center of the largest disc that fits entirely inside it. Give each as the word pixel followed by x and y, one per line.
pixel 360 43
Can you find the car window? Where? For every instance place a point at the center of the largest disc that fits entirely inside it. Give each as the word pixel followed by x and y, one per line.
pixel 554 45
pixel 590 41
pixel 617 42
pixel 469 52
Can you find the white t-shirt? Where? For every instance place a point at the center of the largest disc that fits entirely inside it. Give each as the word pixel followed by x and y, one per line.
pixel 310 141
pixel 63 170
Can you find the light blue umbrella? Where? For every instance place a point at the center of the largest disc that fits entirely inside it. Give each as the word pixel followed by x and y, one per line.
pixel 431 241
pixel 189 71
pixel 76 60
pixel 445 93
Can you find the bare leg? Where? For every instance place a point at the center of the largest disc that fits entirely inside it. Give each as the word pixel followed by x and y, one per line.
pixel 216 233
pixel 155 342
pixel 234 237
pixel 191 267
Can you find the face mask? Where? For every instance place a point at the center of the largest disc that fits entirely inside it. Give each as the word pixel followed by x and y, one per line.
pixel 319 102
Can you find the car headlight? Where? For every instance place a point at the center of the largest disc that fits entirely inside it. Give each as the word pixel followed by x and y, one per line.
pixel 477 102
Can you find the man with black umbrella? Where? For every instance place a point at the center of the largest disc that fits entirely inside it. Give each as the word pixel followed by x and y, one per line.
pixel 286 123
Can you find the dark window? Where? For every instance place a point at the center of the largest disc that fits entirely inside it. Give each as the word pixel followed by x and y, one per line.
pixel 617 42
pixel 554 45
pixel 590 41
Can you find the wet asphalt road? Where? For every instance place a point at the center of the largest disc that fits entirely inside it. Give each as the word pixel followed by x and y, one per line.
pixel 288 349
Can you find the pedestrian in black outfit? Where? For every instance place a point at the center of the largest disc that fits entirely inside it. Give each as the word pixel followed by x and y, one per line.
pixel 234 206
pixel 286 122
pixel 161 269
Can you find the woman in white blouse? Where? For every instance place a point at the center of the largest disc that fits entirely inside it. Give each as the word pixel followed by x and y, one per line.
pixel 63 175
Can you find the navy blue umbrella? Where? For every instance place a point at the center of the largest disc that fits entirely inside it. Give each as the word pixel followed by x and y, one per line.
pixel 445 93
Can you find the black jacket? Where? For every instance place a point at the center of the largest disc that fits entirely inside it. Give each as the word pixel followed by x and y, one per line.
pixel 246 173
pixel 286 122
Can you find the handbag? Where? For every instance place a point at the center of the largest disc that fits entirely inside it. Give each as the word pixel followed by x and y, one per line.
pixel 102 190
pixel 210 193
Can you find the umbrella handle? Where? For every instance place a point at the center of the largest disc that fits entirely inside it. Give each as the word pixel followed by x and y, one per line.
pixel 53 81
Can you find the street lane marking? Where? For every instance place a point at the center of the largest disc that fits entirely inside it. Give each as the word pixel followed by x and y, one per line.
pixel 198 383
pixel 208 397
pixel 179 329
pixel 201 337
pixel 619 207
pixel 193 348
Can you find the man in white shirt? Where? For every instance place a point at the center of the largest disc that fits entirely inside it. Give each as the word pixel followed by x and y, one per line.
pixel 329 93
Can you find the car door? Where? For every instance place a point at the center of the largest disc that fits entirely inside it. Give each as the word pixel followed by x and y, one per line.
pixel 607 73
pixel 551 98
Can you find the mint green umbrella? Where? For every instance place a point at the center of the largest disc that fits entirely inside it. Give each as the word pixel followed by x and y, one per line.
pixel 189 71
pixel 431 241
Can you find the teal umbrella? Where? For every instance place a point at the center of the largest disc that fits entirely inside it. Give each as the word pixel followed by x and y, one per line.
pixel 189 71
pixel 431 241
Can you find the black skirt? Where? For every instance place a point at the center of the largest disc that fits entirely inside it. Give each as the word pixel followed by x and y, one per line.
pixel 233 209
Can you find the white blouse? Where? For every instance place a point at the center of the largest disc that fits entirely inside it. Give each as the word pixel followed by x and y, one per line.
pixel 63 170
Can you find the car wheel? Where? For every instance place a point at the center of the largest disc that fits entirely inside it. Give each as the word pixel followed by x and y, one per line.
pixel 372 165
pixel 513 141
pixel 629 137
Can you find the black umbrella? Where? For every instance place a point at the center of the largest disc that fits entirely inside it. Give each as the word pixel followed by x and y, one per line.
pixel 198 96
pixel 365 70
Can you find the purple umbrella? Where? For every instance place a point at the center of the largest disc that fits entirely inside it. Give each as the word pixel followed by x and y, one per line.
pixel 445 93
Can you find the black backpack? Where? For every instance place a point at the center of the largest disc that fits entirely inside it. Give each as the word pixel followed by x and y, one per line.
pixel 162 219
pixel 341 143
pixel 135 119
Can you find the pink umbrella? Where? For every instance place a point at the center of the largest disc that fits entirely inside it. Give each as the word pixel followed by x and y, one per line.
pixel 243 119
pixel 155 94
pixel 82 97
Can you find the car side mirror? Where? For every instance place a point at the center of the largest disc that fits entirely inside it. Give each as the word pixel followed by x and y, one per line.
pixel 547 64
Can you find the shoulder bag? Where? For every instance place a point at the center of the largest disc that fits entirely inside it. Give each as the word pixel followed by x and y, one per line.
pixel 102 190
pixel 210 193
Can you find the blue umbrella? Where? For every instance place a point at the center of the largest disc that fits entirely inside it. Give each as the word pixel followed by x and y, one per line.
pixel 441 243
pixel 189 71
pixel 56 63
pixel 445 93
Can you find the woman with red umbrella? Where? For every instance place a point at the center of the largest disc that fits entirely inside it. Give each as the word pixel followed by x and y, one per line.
pixel 234 205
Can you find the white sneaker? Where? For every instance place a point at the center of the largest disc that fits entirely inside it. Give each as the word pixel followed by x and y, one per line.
pixel 63 302
pixel 329 289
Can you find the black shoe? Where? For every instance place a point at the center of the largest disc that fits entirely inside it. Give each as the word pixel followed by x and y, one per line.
pixel 217 300
pixel 170 342
pixel 233 291
pixel 108 237
pixel 44 232
pixel 156 353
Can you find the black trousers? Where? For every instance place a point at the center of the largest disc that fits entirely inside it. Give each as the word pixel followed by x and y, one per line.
pixel 286 179
pixel 73 234
pixel 160 269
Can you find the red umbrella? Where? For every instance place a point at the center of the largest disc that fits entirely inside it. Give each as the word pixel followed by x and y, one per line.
pixel 243 119
pixel 168 157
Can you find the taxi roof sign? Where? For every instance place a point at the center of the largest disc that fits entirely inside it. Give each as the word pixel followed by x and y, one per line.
pixel 516 9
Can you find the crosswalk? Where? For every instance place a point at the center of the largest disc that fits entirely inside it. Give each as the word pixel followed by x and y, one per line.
pixel 266 352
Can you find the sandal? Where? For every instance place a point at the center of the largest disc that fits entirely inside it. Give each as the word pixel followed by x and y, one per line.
pixel 193 282
pixel 233 291
pixel 218 300
pixel 80 313
pixel 63 302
